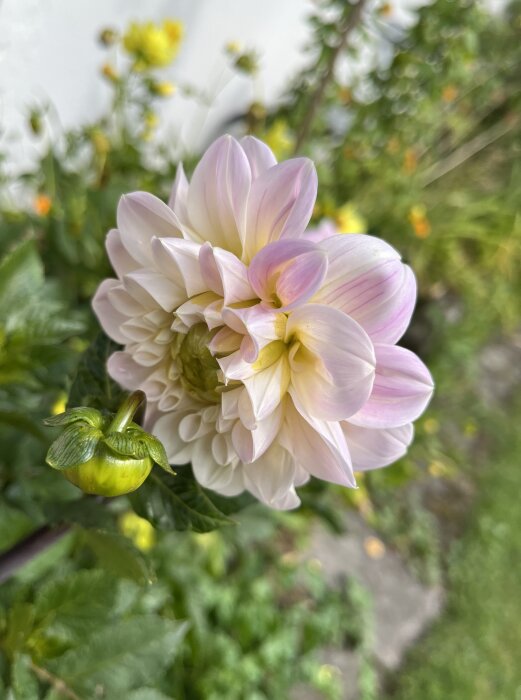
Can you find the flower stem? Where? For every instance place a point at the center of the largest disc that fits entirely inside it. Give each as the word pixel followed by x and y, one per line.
pixel 126 412
pixel 352 20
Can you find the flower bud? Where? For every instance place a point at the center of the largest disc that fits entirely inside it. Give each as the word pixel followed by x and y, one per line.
pixel 105 455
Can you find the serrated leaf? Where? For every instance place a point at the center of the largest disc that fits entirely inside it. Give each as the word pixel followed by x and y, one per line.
pixel 125 655
pixel 157 452
pixel 118 555
pixel 76 445
pixel 23 681
pixel 177 502
pixel 127 443
pixel 87 415
pixel 75 606
pixel 92 386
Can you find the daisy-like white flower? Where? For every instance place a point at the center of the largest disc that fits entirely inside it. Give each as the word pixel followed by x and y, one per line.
pixel 268 355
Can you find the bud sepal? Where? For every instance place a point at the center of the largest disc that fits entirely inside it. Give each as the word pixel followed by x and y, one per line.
pixel 105 454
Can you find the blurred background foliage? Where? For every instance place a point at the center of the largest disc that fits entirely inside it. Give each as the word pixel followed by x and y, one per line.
pixel 422 150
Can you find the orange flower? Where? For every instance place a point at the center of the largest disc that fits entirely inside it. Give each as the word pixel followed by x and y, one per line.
pixel 419 221
pixel 42 204
pixel 410 161
pixel 449 93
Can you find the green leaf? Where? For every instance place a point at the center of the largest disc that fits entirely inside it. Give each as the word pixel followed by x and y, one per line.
pixel 87 415
pixel 74 606
pixel 92 386
pixel 14 525
pixel 23 681
pixel 177 502
pixel 157 452
pixel 21 274
pixel 20 623
pixel 128 444
pixel 125 655
pixel 22 422
pixel 118 555
pixel 76 445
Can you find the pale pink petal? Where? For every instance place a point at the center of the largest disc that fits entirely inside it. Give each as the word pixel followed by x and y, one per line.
pixel 259 324
pixel 325 229
pixel 162 290
pixel 332 361
pixel 259 155
pixel 251 444
pixel 123 370
pixel 225 274
pixel 280 204
pixel 235 367
pixel 218 194
pixel 230 403
pixel 371 448
pixel 270 478
pixel 109 318
pixel 179 195
pixel 124 302
pixel 141 216
pixel 319 447
pixel 402 389
pixel 287 273
pixel 367 280
pixel 120 259
pixel 192 427
pixel 194 310
pixel 178 260
pixel 222 449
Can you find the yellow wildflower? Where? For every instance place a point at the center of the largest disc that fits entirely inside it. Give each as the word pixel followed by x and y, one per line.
pixel 280 139
pixel 386 9
pixel 349 220
pixel 60 404
pixel 233 48
pixel 137 529
pixel 419 221
pixel 152 45
pixel 164 89
pixel 109 72
pixel 42 204
pixel 374 547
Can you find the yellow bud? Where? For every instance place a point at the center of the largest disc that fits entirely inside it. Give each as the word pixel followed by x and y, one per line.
pixel 109 72
pixel 349 220
pixel 137 529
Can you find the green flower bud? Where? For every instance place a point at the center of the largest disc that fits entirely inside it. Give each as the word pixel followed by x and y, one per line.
pixel 105 455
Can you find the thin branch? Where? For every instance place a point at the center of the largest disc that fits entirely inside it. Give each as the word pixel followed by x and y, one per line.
pixel 352 21
pixel 26 549
pixel 56 683
pixel 466 151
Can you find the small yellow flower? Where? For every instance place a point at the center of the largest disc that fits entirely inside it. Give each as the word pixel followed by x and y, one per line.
pixel 137 529
pixel 42 205
pixel 60 404
pixel 109 72
pixel 280 139
pixel 349 220
pixel 431 426
pixel 386 9
pixel 164 89
pixel 233 48
pixel 152 45
pixel 419 221
pixel 374 547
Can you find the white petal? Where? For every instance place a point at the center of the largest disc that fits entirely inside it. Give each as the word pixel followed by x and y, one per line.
pixel 120 259
pixel 259 155
pixel 178 260
pixel 270 478
pixel 110 319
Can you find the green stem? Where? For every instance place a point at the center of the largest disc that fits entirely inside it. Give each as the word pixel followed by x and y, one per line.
pixel 126 412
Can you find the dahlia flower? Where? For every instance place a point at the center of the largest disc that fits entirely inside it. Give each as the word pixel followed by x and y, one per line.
pixel 267 354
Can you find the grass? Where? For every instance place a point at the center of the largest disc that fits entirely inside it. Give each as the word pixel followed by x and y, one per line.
pixel 474 651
